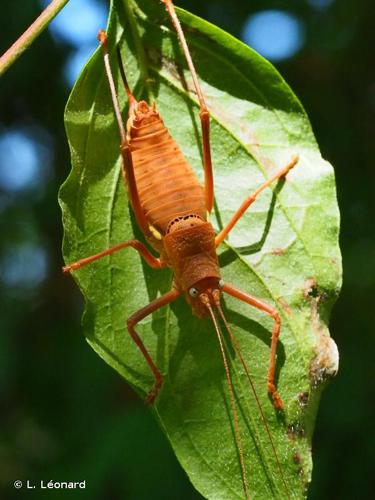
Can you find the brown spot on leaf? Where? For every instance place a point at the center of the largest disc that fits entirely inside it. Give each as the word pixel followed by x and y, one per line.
pixel 325 362
pixel 310 288
pixel 297 458
pixel 303 398
pixel 278 251
pixel 295 431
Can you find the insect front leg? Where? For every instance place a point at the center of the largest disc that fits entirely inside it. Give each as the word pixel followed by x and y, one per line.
pixel 271 311
pixel 204 114
pixel 250 200
pixel 136 318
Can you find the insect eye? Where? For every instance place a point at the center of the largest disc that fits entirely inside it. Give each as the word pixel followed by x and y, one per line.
pixel 221 283
pixel 193 292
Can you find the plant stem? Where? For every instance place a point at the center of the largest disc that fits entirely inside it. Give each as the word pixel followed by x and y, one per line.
pixel 27 38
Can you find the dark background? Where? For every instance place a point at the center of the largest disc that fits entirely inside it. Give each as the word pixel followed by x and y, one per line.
pixel 64 414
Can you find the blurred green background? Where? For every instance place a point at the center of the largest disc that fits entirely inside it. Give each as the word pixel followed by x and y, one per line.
pixel 64 414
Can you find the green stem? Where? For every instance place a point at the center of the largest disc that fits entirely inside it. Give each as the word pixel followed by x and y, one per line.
pixel 27 38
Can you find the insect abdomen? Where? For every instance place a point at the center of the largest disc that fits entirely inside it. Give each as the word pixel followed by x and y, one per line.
pixel 167 185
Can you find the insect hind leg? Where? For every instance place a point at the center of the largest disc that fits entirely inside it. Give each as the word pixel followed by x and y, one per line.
pixel 271 311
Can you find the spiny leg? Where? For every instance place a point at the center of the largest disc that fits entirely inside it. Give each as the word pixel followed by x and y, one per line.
pixel 250 199
pixel 136 318
pixel 271 311
pixel 125 148
pixel 203 113
pixel 137 245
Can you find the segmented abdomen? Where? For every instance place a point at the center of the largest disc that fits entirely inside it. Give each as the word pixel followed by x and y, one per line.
pixel 167 185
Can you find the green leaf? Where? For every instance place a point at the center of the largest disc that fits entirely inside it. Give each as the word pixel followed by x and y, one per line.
pixel 284 250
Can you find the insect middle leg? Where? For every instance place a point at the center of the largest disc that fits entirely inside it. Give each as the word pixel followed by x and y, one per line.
pixel 152 261
pixel 204 114
pixel 271 311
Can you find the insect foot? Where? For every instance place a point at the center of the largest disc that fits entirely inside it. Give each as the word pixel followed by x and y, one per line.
pixel 277 402
pixel 154 392
pixel 71 267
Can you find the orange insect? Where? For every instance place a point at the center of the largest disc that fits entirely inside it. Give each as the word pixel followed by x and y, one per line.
pixel 171 208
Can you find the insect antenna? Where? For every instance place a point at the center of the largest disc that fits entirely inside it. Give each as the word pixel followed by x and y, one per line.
pixel 102 37
pixel 232 403
pixel 251 383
